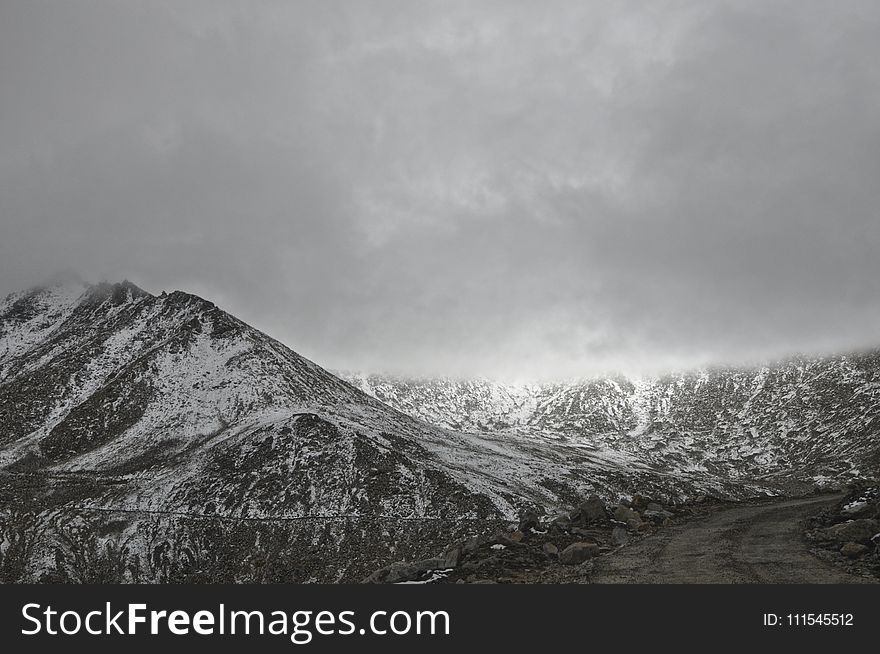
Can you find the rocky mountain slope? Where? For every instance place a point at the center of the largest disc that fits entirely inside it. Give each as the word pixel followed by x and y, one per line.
pixel 191 405
pixel 134 408
pixel 815 420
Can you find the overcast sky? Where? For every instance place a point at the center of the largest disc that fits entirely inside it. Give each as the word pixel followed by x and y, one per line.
pixel 511 189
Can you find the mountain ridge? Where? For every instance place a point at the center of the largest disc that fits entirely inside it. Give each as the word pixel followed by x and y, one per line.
pixel 118 402
pixel 700 412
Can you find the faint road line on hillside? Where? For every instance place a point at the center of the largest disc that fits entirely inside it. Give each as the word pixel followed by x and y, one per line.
pixel 212 516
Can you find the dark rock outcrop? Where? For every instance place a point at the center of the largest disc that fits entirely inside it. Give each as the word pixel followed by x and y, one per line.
pixel 579 552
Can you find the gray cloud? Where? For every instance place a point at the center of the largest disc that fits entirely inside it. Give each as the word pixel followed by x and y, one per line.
pixel 513 189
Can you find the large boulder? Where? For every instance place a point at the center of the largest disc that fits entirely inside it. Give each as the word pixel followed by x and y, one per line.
pixel 560 523
pixel 577 553
pixel 512 540
pixel 413 570
pixel 594 535
pixel 592 511
pixel 452 556
pixel 862 509
pixel 856 531
pixel 403 571
pixel 854 550
pixel 627 516
pixel 528 520
pixel 657 516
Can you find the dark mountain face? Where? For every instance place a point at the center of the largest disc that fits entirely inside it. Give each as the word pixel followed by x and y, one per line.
pixel 170 423
pixel 192 406
pixel 114 402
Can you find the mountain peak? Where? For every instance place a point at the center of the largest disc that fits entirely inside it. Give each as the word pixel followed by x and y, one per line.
pixel 183 298
pixel 118 292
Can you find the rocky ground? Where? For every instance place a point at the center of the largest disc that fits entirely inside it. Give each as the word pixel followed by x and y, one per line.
pixel 847 534
pixel 643 541
pixel 547 549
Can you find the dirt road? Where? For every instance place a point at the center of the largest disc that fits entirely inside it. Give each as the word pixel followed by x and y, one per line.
pixel 743 544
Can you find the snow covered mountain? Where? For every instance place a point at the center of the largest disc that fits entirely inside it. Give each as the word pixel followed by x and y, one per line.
pixel 191 405
pixel 804 419
pixel 119 403
pixel 143 409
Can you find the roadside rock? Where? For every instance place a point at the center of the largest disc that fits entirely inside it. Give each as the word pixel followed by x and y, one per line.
pixel 402 571
pixel 640 503
pixel 577 553
pixel 594 535
pixel 590 512
pixel 619 536
pixel 550 549
pixel 410 571
pixel 528 520
pixel 857 531
pixel 508 540
pixel 451 557
pixel 657 516
pixel 850 531
pixel 561 523
pixel 860 510
pixel 854 550
pixel 628 517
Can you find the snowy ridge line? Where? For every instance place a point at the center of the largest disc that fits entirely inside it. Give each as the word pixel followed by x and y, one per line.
pixel 804 418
